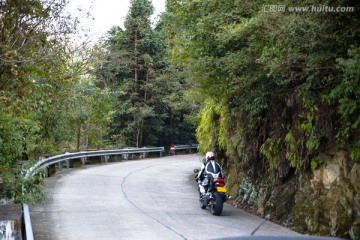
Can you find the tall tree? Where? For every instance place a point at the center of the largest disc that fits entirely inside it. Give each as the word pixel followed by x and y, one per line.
pixel 141 50
pixel 31 62
pixel 136 68
pixel 38 72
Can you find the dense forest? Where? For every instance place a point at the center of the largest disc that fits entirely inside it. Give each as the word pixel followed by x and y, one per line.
pixel 272 88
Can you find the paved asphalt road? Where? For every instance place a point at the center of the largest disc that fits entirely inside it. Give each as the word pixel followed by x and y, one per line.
pixel 141 199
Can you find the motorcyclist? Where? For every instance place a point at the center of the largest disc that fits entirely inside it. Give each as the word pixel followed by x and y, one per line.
pixel 210 166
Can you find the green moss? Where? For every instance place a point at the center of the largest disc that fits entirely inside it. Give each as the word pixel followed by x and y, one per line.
pixel 355 230
pixel 339 214
pixel 232 181
pixel 306 213
pixel 248 191
pixel 271 150
pixel 320 211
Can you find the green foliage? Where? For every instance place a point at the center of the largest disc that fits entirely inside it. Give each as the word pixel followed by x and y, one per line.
pixel 315 162
pixel 213 126
pixel 132 59
pixel 271 150
pixel 16 187
pixel 90 111
pixel 150 105
pixel 10 139
pixel 292 153
pixel 275 86
pixel 39 77
pixel 346 93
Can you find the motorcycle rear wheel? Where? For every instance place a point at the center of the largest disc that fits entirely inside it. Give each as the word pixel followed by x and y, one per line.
pixel 217 206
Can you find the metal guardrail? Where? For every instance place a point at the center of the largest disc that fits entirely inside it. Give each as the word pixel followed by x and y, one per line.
pixel 66 157
pixel 29 235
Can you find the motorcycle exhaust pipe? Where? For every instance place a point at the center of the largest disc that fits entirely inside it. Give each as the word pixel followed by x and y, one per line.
pixel 207 198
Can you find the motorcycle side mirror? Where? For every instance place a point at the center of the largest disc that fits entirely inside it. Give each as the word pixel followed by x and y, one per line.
pixel 196 170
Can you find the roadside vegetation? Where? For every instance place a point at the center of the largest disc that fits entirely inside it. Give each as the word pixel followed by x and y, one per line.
pixel 60 93
pixel 274 93
pixel 278 93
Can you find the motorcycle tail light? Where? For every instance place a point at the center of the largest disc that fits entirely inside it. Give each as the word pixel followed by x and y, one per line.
pixel 219 182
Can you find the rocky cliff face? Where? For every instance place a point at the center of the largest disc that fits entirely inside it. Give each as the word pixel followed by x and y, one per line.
pixel 325 201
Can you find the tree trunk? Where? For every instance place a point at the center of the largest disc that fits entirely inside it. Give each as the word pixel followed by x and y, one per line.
pixel 78 137
pixel 136 64
pixel 137 137
pixel 139 133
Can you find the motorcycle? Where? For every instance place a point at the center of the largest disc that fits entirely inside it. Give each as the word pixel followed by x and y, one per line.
pixel 215 193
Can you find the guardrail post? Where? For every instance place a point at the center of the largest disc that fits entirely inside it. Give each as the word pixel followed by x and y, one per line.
pixel 47 172
pixel 67 163
pixel 105 158
pixel 83 160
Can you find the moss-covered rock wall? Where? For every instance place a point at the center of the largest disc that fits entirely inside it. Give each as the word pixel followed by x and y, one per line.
pixel 324 201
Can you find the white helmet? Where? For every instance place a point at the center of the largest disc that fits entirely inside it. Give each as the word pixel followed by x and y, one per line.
pixel 210 156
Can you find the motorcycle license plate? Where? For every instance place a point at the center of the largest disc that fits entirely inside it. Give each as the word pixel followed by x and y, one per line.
pixel 221 189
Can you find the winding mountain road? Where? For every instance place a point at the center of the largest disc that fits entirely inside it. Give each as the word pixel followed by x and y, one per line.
pixel 140 199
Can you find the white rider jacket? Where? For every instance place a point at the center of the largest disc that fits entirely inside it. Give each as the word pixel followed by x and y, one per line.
pixel 209 167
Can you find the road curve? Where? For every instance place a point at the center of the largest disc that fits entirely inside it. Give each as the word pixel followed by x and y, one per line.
pixel 141 199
